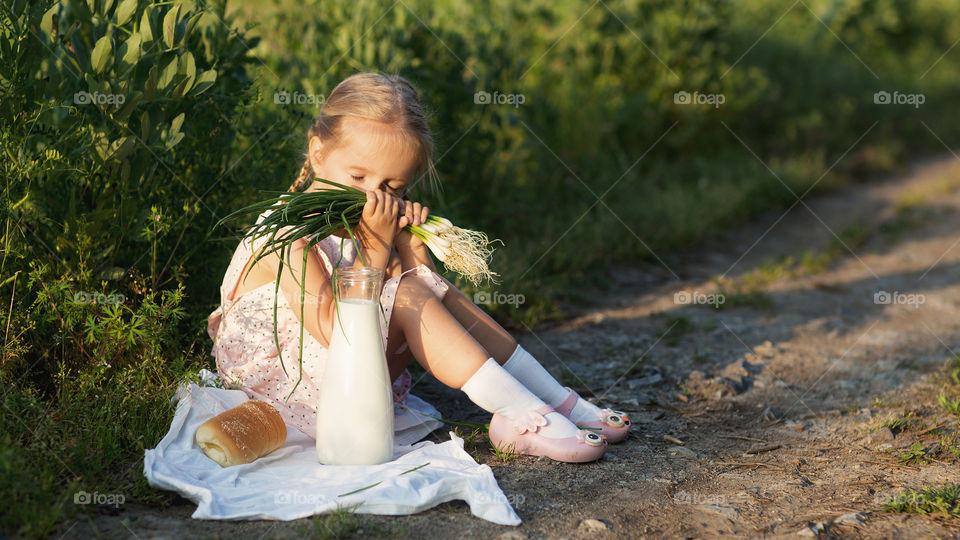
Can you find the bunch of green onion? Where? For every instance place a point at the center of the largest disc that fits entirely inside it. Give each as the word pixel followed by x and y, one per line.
pixel 315 215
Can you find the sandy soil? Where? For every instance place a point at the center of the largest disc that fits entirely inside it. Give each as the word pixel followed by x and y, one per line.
pixel 775 398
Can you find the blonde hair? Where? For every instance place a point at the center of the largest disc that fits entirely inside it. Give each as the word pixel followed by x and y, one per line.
pixel 389 99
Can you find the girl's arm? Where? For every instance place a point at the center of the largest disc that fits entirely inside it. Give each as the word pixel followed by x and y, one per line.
pixel 318 307
pixel 413 252
pixel 394 267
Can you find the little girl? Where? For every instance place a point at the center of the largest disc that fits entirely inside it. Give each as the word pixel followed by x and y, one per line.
pixel 372 134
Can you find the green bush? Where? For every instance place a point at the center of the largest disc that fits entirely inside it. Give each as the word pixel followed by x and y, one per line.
pixel 117 119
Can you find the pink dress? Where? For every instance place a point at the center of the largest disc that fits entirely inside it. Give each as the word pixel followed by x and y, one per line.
pixel 243 339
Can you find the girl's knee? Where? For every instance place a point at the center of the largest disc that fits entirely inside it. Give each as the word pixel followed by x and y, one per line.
pixel 411 286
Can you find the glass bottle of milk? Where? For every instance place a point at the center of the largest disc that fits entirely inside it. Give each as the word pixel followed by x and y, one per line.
pixel 355 409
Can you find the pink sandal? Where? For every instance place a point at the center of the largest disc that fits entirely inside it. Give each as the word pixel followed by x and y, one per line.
pixel 612 425
pixel 521 436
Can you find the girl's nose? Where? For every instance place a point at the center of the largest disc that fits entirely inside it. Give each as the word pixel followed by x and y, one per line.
pixel 370 184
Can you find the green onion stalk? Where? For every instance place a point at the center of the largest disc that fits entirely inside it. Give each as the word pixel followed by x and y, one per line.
pixel 315 215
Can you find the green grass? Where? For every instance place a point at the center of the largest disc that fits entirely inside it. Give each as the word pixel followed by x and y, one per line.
pixel 746 298
pixel 748 290
pixel 950 444
pixel 474 440
pixel 944 501
pixel 675 327
pixel 505 454
pixel 915 455
pixel 635 368
pixel 881 404
pixel 904 422
pixel 952 369
pixel 948 404
pixel 343 523
pixel 87 442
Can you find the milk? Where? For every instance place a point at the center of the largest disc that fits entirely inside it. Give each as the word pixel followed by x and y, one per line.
pixel 355 409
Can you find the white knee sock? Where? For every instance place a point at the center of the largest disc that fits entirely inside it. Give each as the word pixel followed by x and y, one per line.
pixel 525 368
pixel 493 389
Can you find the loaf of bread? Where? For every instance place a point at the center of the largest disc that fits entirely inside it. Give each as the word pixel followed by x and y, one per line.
pixel 242 434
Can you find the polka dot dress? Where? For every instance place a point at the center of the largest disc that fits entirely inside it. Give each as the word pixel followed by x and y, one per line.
pixel 246 349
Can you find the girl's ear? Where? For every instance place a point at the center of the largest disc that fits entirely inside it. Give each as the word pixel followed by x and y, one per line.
pixel 315 151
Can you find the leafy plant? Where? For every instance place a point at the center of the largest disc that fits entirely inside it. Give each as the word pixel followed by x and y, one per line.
pixel 916 454
pixel 948 404
pixel 929 500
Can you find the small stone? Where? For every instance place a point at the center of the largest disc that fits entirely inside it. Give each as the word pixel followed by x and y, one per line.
pixel 646 398
pixel 682 452
pixel 796 426
pixel 880 436
pixel 645 381
pixel 844 384
pixel 724 511
pixel 609 456
pixel 765 350
pixel 853 519
pixel 811 531
pixel 593 525
pixel 740 367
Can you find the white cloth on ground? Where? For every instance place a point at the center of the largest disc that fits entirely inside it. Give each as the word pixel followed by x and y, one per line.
pixel 290 483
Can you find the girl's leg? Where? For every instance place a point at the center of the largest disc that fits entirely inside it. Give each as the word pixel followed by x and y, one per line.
pixel 486 331
pixel 452 355
pixel 398 356
pixel 520 363
pixel 434 337
pixel 496 341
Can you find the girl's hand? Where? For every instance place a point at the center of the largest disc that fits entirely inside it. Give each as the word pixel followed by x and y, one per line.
pixel 379 218
pixel 413 214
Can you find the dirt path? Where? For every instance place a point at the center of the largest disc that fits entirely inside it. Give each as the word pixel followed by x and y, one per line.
pixel 776 397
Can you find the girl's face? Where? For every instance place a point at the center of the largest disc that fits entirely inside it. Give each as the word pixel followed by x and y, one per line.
pixel 370 155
